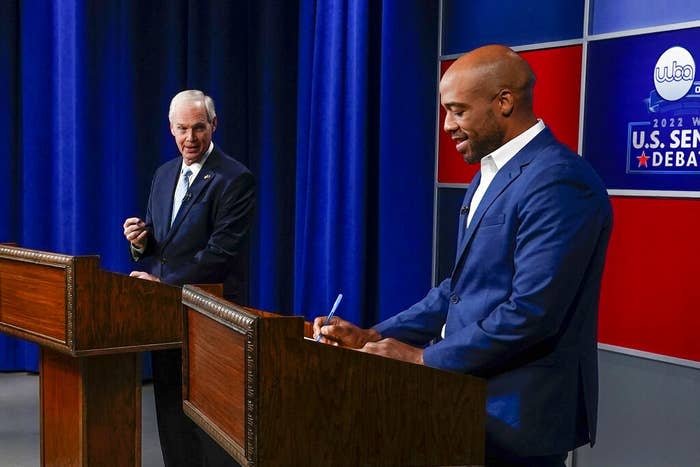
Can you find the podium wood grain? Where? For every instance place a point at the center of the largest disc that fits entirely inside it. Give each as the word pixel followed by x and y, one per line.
pixel 90 325
pixel 271 397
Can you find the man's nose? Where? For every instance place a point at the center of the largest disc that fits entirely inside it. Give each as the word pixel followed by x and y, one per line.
pixel 190 135
pixel 449 124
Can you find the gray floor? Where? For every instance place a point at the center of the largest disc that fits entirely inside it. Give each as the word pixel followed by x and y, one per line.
pixel 19 423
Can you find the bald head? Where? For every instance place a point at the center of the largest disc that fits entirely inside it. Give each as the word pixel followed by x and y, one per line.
pixel 487 94
pixel 493 68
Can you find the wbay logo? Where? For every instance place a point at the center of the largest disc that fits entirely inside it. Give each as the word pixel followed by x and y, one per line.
pixel 674 73
pixel 669 141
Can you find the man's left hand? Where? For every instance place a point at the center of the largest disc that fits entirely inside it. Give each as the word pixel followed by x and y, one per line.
pixel 144 275
pixel 395 349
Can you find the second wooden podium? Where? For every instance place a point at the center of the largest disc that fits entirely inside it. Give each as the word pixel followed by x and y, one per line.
pixel 90 325
pixel 272 397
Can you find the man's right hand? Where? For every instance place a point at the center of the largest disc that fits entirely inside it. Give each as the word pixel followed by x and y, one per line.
pixel 135 232
pixel 341 332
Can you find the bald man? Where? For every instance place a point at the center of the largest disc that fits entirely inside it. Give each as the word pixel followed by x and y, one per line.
pixel 520 308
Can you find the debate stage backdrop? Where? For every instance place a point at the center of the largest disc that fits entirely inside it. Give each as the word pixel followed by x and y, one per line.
pixel 618 81
pixel 333 106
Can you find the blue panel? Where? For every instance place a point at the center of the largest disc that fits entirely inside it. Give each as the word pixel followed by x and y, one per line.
pixel 618 15
pixel 449 203
pixel 469 24
pixel 636 138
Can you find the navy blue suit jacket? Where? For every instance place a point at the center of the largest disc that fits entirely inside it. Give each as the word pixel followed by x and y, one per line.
pixel 204 243
pixel 521 304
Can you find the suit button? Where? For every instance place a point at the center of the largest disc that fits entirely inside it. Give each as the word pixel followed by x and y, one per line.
pixel 454 299
pixel 163 260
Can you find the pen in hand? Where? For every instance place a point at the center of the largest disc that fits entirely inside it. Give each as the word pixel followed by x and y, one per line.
pixel 330 315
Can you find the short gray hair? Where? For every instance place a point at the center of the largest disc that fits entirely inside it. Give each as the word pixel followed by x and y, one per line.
pixel 193 95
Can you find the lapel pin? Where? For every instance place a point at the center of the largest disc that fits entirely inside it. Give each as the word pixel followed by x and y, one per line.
pixel 207 176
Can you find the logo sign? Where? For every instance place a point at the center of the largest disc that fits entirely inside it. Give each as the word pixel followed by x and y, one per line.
pixel 668 140
pixel 674 73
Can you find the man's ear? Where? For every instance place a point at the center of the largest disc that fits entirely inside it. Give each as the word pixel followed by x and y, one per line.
pixel 505 102
pixel 214 122
pixel 172 131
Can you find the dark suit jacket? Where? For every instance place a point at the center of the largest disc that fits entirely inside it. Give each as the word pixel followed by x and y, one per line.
pixel 204 243
pixel 521 304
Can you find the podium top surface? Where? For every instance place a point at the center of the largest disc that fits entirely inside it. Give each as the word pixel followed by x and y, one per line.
pixel 68 303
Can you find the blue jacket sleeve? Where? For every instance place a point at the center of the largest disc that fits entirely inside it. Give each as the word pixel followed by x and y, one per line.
pixel 423 321
pixel 563 226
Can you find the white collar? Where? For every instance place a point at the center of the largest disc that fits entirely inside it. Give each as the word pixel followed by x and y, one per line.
pixel 195 167
pixel 502 155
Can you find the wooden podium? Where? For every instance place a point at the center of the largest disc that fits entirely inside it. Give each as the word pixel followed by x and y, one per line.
pixel 90 325
pixel 270 396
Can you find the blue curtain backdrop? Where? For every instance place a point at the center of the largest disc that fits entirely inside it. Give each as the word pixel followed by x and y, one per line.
pixel 331 104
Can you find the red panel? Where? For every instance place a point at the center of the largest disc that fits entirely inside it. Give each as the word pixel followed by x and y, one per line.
pixel 557 99
pixel 558 90
pixel 651 293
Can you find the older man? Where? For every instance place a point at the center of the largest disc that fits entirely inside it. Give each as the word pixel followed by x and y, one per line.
pixel 520 307
pixel 199 212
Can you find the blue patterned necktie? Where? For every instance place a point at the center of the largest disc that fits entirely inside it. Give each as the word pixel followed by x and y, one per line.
pixel 181 190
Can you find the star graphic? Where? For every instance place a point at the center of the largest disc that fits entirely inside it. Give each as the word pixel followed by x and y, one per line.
pixel 642 160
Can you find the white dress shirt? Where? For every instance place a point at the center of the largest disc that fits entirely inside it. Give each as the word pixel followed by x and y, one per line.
pixel 492 163
pixel 196 167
